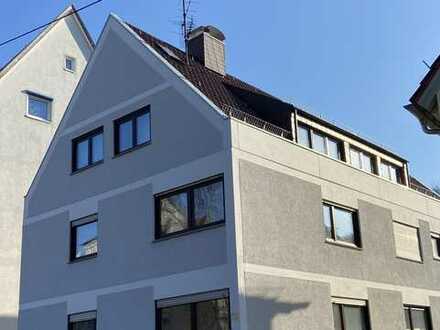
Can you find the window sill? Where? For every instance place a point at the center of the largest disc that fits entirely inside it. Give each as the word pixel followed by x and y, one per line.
pixel 343 244
pixel 139 146
pixel 189 231
pixel 38 119
pixel 83 259
pixel 82 169
pixel 436 259
pixel 410 260
pixel 68 70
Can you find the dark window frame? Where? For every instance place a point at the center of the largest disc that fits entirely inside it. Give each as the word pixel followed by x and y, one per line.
pixel 311 131
pixel 131 117
pixel 193 310
pixel 87 137
pixel 73 237
pixel 427 314
pixel 363 307
pixel 189 190
pixel 436 238
pixel 70 323
pixel 356 225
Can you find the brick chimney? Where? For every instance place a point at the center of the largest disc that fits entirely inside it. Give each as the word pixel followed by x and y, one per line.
pixel 206 44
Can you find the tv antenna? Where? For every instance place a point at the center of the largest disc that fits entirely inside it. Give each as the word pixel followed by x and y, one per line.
pixel 187 24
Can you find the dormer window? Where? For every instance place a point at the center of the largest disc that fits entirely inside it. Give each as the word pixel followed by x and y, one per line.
pixel 316 140
pixel 70 64
pixel 38 106
pixel 390 172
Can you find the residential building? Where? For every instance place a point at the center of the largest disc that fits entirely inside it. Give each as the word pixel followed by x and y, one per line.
pixel 424 103
pixel 35 88
pixel 213 205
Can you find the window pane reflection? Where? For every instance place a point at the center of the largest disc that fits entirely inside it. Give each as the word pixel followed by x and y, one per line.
pixel 174 213
pixel 208 204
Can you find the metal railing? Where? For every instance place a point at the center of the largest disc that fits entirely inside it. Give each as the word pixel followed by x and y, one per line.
pixel 257 122
pixel 424 191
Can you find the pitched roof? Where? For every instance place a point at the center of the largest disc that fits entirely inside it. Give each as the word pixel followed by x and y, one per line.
pixel 67 12
pixel 224 91
pixel 228 92
pixel 435 67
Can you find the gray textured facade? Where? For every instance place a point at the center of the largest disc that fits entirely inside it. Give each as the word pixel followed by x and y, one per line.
pixel 270 255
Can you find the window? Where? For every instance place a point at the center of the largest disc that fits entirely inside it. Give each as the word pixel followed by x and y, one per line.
pixel 407 242
pixel 390 172
pixel 361 160
pixel 38 106
pixel 190 208
pixel 435 240
pixel 84 238
pixel 320 142
pixel 132 130
pixel 208 311
pixel 304 136
pixel 88 149
pixel 70 64
pixel 417 318
pixel 341 225
pixel 350 317
pixel 82 321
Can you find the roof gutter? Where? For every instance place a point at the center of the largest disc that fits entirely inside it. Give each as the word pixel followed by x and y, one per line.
pixel 429 123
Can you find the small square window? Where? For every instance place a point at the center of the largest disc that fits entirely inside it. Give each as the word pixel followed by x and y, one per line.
pixel 84 238
pixel 70 64
pixel 132 131
pixel 82 321
pixel 341 225
pixel 38 107
pixel 88 149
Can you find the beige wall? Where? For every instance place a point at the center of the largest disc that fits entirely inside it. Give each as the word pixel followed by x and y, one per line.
pixel 25 140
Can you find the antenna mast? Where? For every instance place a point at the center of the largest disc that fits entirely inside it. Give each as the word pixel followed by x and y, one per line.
pixel 186 27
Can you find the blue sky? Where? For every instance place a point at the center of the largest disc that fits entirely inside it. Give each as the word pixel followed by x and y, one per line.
pixel 353 62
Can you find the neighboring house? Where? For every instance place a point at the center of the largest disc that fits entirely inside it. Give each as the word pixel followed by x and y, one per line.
pixel 426 100
pixel 215 205
pixel 35 89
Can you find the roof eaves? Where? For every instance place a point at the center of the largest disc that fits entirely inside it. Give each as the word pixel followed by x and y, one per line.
pixel 435 67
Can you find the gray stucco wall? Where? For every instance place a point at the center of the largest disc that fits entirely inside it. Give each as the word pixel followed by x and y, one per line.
pixel 435 312
pixel 180 133
pixel 286 214
pixel 127 310
pixel 284 304
pixel 385 309
pixel 127 251
pixel 52 317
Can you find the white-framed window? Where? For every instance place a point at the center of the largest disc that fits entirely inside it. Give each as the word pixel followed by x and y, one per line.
pixel 70 64
pixel 361 160
pixel 435 241
pixel 407 242
pixel 390 172
pixel 321 142
pixel 38 107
